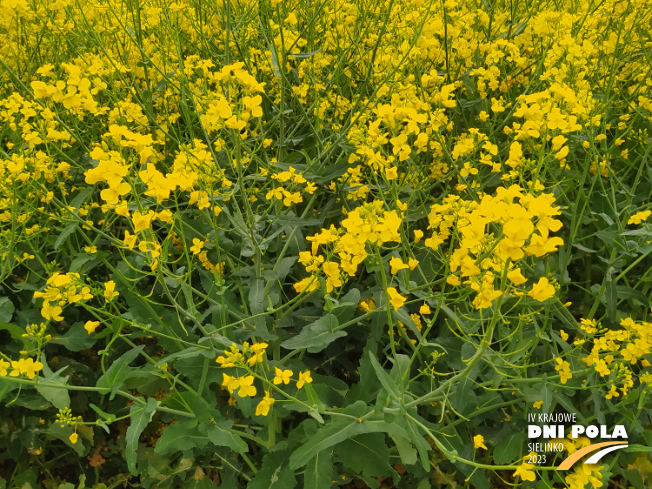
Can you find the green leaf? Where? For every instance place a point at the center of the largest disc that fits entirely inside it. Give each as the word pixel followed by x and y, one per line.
pixel 275 473
pixel 386 381
pixel 15 332
pixel 63 434
pixel 569 407
pixel 625 292
pixel 304 55
pixel 106 416
pixel 64 234
pixel 6 309
pixel 118 372
pixel 319 472
pixel 422 445
pixel 221 435
pixel 544 393
pixel 316 336
pixel 141 416
pixel 347 306
pixel 336 432
pixel 509 449
pixel 366 453
pixel 59 398
pixel 180 436
pixel 406 451
pixel 76 338
pixel 638 448
pixel 257 296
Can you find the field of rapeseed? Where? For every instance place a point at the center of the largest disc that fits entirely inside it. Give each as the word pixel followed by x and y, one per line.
pixel 324 243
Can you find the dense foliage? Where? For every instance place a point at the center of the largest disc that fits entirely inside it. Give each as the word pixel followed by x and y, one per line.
pixel 324 243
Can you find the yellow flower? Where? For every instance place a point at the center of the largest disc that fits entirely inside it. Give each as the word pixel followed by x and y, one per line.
pixel 246 386
pixel 639 217
pixel 165 216
pixel 366 305
pixel 90 326
pixel 73 438
pixel 197 246
pixel 391 173
pixel 142 222
pixel 537 405
pixel 425 309
pixel 417 236
pixel 283 376
pixel 109 292
pixel 542 290
pixel 563 334
pixel 397 300
pixel 525 472
pixel 304 378
pixel 130 240
pixel 478 442
pixel 3 367
pixel 23 366
pixel 516 277
pixel 396 264
pixel 49 312
pixel 231 383
pixel 263 406
pixel 563 368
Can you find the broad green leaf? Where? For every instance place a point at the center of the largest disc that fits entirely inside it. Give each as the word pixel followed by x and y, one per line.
pixel 568 405
pixel 405 449
pixel 638 448
pixel 422 445
pixel 536 394
pixel 509 449
pixel 180 436
pixel 336 432
pixel 59 397
pixel 386 381
pixel 316 336
pixel 319 472
pixel 117 373
pixel 106 416
pixel 78 262
pixel 15 331
pixel 64 234
pixel 221 435
pixel 141 416
pixel 76 338
pixel 275 473
pixel 6 309
pixel 367 454
pixel 347 306
pixel 625 292
pixel 63 434
pixel 257 296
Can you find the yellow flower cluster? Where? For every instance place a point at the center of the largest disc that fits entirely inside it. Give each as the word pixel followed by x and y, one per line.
pixel 630 343
pixel 483 251
pixel 369 223
pixel 24 366
pixel 287 196
pixel 61 290
pixel 248 358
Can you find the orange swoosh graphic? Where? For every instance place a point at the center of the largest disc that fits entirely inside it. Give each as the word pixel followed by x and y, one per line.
pixel 570 461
